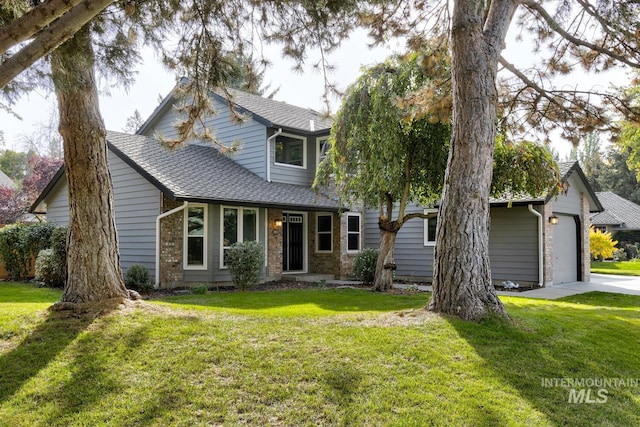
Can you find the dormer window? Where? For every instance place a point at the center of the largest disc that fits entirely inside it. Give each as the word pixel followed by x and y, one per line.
pixel 291 151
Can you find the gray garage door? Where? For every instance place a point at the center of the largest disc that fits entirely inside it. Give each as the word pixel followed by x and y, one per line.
pixel 565 250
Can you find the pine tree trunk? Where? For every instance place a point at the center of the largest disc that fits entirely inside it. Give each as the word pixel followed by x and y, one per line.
pixel 93 260
pixel 384 275
pixel 462 276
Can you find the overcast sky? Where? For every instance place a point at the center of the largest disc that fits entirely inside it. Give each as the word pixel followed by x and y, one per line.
pixel 304 90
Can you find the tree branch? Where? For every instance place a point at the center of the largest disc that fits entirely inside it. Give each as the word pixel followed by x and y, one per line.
pixel 536 7
pixel 33 21
pixel 48 39
pixel 407 217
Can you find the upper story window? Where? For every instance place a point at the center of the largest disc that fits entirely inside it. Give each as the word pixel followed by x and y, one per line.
pixel 291 150
pixel 322 146
pixel 430 225
pixel 195 237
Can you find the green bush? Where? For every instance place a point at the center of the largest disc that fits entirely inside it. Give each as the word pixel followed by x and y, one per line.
pixel 200 289
pixel 49 270
pixel 364 266
pixel 246 263
pixel 38 237
pixel 619 255
pixel 138 279
pixel 14 251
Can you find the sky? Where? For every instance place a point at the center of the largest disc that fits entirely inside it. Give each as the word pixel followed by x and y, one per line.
pixel 304 89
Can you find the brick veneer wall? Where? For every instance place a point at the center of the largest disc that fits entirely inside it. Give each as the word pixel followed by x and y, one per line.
pixel 347 259
pixel 547 211
pixel 274 253
pixel 171 245
pixel 324 263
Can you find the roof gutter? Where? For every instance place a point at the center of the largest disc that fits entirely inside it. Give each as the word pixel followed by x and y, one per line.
pixel 158 218
pixel 268 156
pixel 540 246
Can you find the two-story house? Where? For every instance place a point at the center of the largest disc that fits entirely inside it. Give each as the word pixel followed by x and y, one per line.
pixel 178 212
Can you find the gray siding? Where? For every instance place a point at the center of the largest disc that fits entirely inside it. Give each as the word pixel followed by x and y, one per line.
pixel 292 174
pixel 250 135
pixel 513 245
pixel 137 204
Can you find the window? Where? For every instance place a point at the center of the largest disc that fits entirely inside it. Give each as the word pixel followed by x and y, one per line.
pixel 324 233
pixel 353 232
pixel 195 232
pixel 430 225
pixel 322 146
pixel 237 225
pixel 291 150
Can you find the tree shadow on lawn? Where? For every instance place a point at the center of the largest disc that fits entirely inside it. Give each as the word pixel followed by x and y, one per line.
pixel 339 300
pixel 39 348
pixel 573 338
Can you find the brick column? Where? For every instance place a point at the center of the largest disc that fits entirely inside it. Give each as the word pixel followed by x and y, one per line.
pixel 274 255
pixel 585 256
pixel 547 233
pixel 171 245
pixel 324 263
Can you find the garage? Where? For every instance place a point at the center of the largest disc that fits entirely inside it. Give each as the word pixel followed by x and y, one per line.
pixel 565 249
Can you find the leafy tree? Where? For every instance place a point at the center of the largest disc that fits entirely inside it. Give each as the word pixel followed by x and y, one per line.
pixel 616 175
pixel 601 244
pixel 629 137
pixel 383 156
pixel 14 164
pixel 589 154
pixel 579 34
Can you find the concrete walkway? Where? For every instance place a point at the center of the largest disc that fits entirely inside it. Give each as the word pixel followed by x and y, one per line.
pixel 629 285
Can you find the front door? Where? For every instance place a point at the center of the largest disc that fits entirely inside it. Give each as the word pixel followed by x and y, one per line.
pixel 292 242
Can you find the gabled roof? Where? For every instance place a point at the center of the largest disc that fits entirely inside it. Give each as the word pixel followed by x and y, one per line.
pixel 198 173
pixel 5 181
pixel 619 212
pixel 566 169
pixel 271 113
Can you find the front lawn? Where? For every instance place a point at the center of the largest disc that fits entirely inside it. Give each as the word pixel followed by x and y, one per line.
pixel 316 357
pixel 624 268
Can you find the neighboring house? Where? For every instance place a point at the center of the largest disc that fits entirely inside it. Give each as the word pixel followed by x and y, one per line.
pixel 178 212
pixel 5 181
pixel 541 241
pixel 619 214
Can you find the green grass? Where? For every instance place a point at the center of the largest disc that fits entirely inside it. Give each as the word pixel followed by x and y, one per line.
pixel 314 357
pixel 625 268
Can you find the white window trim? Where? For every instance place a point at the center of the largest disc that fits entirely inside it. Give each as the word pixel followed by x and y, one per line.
pixel 359 215
pixel 330 215
pixel 240 237
pixel 319 140
pixel 426 227
pixel 304 151
pixel 185 233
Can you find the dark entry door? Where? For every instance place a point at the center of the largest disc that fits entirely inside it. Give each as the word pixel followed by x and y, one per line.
pixel 292 245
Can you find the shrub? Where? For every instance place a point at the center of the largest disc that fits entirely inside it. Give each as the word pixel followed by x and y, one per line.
pixel 38 237
pixel 619 255
pixel 14 251
pixel 138 279
pixel 246 263
pixel 631 250
pixel 364 266
pixel 50 270
pixel 601 244
pixel 200 289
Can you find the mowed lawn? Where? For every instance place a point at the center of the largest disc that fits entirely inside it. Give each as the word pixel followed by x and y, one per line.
pixel 624 268
pixel 315 357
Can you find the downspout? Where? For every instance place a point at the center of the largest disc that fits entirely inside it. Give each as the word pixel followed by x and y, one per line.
pixel 158 218
pixel 540 246
pixel 269 140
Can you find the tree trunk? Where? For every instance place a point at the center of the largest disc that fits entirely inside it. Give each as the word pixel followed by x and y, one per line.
pixel 93 260
pixel 462 277
pixel 384 271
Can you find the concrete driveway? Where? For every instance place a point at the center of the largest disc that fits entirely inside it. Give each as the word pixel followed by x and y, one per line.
pixel 629 285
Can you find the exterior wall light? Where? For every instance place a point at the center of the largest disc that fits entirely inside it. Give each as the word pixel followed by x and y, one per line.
pixel 553 220
pixel 278 223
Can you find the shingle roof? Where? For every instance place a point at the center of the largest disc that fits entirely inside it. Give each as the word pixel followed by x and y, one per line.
pixel 277 113
pixel 623 214
pixel 5 181
pixel 201 173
